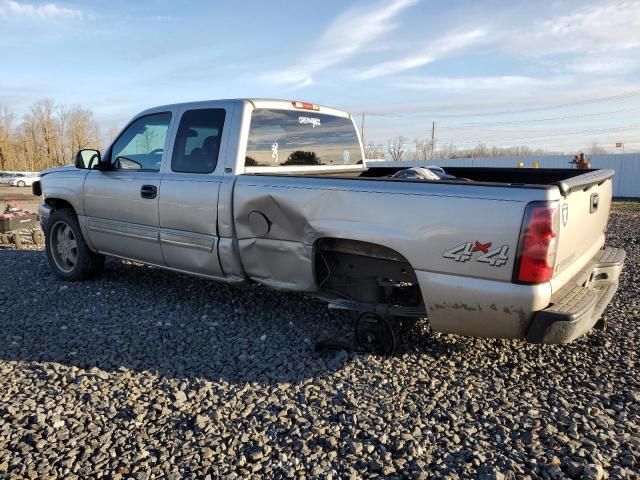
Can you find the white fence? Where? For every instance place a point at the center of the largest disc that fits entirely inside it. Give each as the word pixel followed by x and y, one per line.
pixel 626 182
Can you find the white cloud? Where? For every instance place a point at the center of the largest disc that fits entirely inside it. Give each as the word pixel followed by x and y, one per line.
pixel 593 31
pixel 11 8
pixel 597 38
pixel 600 26
pixel 605 65
pixel 445 46
pixel 478 83
pixel 596 28
pixel 346 36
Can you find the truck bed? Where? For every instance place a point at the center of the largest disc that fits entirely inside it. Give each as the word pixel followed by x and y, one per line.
pixel 563 178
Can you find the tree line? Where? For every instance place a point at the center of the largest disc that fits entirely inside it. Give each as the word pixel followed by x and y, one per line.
pixel 48 135
pixel 399 148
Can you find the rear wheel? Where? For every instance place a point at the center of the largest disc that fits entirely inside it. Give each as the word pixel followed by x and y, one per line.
pixel 69 256
pixel 21 183
pixel 375 334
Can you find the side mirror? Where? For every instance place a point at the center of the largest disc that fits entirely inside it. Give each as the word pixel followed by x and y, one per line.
pixel 87 159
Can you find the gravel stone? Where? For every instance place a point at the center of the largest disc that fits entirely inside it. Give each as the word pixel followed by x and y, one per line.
pixel 145 373
pixel 593 472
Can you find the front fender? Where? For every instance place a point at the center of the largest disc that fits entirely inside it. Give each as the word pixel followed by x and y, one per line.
pixel 64 186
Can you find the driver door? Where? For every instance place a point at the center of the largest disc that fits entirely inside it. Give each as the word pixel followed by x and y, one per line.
pixel 121 204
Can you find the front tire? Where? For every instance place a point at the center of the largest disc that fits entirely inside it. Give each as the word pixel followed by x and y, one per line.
pixel 69 255
pixel 21 183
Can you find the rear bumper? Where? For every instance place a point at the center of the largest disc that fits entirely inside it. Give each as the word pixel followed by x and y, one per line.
pixel 578 306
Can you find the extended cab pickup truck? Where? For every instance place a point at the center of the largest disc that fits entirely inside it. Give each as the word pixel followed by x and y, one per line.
pixel 278 193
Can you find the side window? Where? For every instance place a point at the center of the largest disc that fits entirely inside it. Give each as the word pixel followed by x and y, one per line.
pixel 141 145
pixel 198 141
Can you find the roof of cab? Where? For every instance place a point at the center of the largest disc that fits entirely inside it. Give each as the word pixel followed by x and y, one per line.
pixel 255 102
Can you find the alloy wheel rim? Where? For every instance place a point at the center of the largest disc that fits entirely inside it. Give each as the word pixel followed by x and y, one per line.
pixel 64 246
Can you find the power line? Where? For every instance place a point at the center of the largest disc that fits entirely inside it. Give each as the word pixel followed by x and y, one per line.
pixel 535 120
pixel 575 133
pixel 509 112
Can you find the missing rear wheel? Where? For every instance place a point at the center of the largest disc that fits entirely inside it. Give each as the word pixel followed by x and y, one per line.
pixel 375 334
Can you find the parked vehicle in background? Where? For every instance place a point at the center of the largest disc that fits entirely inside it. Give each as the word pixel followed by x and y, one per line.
pixel 5 177
pixel 276 192
pixel 23 179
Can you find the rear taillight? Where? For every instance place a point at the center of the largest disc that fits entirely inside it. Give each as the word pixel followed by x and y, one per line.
pixel 538 243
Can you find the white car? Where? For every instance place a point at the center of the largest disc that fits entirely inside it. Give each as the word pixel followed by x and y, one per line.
pixel 5 177
pixel 23 179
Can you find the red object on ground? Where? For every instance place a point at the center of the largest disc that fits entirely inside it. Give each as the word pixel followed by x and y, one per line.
pixel 13 210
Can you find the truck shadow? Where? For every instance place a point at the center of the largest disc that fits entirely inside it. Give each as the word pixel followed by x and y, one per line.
pixel 173 325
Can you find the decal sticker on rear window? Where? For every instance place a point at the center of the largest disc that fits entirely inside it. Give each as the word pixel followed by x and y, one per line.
pixel 315 122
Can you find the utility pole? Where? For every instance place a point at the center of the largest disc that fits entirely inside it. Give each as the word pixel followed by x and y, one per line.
pixel 433 138
pixel 362 130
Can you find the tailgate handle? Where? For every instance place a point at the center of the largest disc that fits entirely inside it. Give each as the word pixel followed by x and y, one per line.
pixel 595 200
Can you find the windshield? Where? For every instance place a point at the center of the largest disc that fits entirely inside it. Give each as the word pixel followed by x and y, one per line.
pixel 301 138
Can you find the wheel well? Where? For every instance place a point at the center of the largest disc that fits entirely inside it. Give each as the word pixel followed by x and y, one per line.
pixel 58 203
pixel 365 272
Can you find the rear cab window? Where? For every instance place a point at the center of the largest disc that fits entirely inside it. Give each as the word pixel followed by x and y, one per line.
pixel 291 138
pixel 197 142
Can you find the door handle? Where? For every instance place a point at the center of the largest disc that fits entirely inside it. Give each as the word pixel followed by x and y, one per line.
pixel 149 191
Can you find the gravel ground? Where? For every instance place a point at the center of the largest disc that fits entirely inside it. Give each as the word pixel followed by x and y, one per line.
pixel 150 374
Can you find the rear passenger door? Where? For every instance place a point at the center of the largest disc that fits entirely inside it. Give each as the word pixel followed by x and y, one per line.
pixel 189 191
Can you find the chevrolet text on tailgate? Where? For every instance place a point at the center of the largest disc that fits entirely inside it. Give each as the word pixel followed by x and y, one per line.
pixel 278 193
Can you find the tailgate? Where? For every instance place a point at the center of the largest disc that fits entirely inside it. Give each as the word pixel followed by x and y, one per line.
pixel 584 212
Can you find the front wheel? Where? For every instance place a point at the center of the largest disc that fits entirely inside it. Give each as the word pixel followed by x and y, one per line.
pixel 21 183
pixel 67 252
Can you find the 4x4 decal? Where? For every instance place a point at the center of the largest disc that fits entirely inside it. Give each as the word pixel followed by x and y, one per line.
pixel 496 257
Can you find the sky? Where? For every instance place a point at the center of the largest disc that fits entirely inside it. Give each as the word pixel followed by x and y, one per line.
pixel 557 75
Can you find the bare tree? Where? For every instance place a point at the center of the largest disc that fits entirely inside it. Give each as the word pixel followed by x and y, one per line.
pixel 450 151
pixel 48 136
pixel 6 120
pixel 483 151
pixel 480 151
pixel 373 151
pixel 111 134
pixel 44 124
pixel 395 147
pixel 424 149
pixel 596 149
pixel 83 130
pixel 29 145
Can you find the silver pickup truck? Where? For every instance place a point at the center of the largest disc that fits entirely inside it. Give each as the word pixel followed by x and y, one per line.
pixel 278 193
